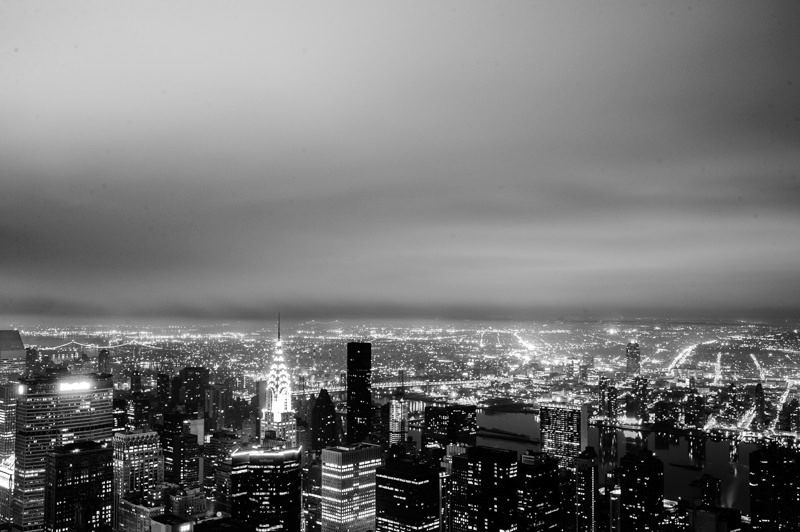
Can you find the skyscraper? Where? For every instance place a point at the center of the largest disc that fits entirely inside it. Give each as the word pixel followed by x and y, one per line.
pixel 181 451
pixel 359 395
pixel 265 488
pixel 774 489
pixel 483 491
pixel 217 468
pixel 278 414
pixel 586 486
pixel 195 382
pixel 539 497
pixel 407 498
pixel 78 487
pixel 348 487
pixel 642 492
pixel 564 430
pixel 324 432
pixel 12 356
pixel 8 418
pixel 633 359
pixel 138 466
pixel 398 421
pixel 53 412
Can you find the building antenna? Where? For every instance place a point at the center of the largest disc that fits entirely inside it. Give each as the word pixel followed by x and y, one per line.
pixel 279 326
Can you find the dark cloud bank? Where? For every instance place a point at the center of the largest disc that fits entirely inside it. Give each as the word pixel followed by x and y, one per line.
pixel 522 159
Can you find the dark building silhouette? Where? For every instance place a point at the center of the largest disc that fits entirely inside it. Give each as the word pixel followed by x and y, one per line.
pixel 78 486
pixel 448 425
pixel 633 359
pixel 265 489
pixel 181 451
pixel 103 361
pixel 539 496
pixel 163 389
pixel 217 468
pixel 587 482
pixel 774 489
pixel 359 395
pixel 639 400
pixel 195 382
pixel 641 482
pixel 312 494
pixel 407 497
pixel 483 491
pixel 324 432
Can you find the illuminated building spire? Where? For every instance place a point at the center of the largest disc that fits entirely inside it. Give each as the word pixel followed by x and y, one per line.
pixel 278 414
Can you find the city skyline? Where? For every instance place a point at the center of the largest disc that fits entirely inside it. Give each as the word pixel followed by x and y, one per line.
pixel 459 160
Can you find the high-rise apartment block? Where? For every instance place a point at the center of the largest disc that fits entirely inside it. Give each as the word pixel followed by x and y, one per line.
pixel 53 412
pixel 359 391
pixel 348 487
pixel 564 430
pixel 78 488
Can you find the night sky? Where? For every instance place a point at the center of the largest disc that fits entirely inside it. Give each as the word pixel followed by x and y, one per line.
pixel 229 160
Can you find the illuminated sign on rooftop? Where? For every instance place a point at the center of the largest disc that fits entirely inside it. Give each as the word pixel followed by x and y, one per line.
pixel 74 386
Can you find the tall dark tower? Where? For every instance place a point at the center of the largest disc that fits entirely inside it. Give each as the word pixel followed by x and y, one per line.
pixel 633 359
pixel 642 497
pixel 587 482
pixel 774 485
pixel 539 494
pixel 324 432
pixel 483 491
pixel 359 395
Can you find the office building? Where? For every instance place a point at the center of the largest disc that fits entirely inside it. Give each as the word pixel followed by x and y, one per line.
pixel 265 489
pixel 312 494
pixel 138 466
pixel 587 482
pixel 324 432
pixel 6 487
pixel 195 382
pixel 181 450
pixel 641 499
pixel 564 431
pixel 359 392
pixel 348 487
pixel 774 489
pixel 217 468
pixel 539 496
pixel 483 491
pixel 633 359
pixel 450 425
pixel 53 412
pixel 13 356
pixel 8 418
pixel 407 496
pixel 398 421
pixel 77 494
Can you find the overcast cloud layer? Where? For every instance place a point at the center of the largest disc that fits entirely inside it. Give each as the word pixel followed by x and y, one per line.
pixel 231 159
